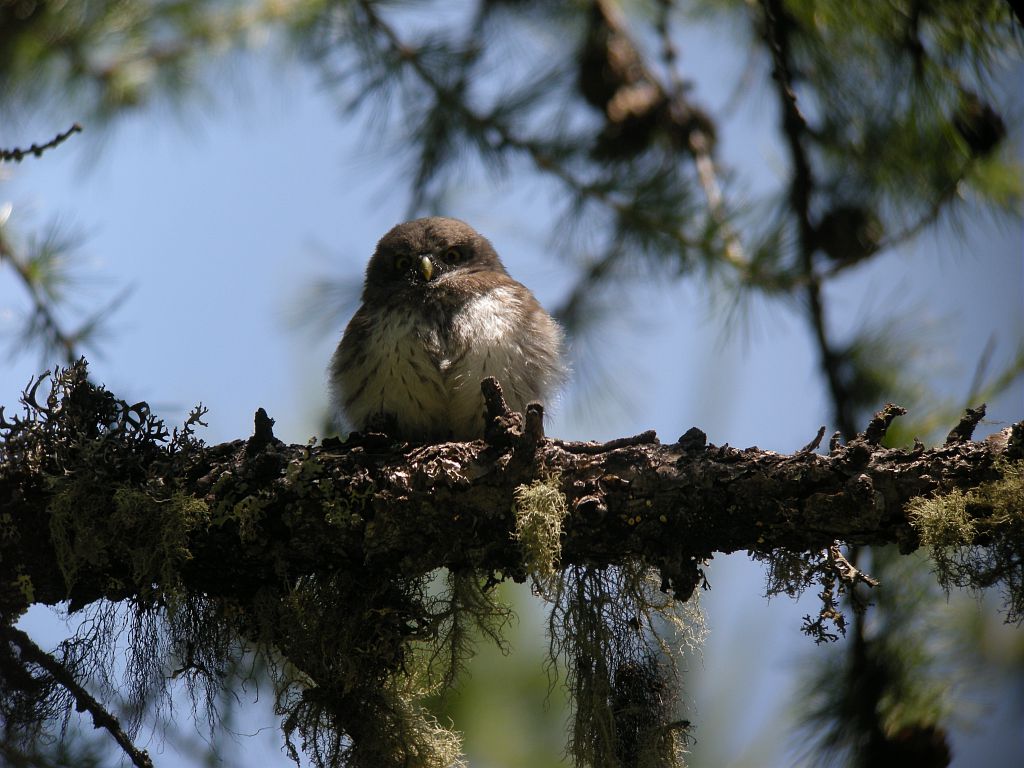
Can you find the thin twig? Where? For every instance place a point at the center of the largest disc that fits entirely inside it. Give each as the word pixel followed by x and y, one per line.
pixel 17 154
pixel 648 437
pixel 84 702
pixel 813 445
pixel 801 190
pixel 700 145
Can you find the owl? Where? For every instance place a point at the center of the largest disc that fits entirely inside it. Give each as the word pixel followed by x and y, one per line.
pixel 440 313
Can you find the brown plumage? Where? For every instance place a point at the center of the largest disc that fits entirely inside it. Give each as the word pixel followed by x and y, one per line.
pixel 439 313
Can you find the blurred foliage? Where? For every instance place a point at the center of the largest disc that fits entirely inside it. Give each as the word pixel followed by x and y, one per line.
pixel 889 112
pixel 101 58
pixel 882 698
pixel 76 750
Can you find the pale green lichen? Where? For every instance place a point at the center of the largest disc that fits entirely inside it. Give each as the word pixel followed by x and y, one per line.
pixel 248 514
pixel 96 528
pixel 303 472
pixel 351 663
pixel 976 536
pixel 24 585
pixel 343 504
pixel 539 511
pixel 161 530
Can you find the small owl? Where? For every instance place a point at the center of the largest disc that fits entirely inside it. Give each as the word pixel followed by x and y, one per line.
pixel 439 313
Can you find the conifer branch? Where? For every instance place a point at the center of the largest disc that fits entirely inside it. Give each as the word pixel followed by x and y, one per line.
pixel 801 191
pixel 45 315
pixel 419 508
pixel 30 653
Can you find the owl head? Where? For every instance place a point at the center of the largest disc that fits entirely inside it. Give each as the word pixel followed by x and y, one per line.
pixel 428 255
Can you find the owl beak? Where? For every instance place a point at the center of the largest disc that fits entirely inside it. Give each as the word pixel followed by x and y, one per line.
pixel 426 268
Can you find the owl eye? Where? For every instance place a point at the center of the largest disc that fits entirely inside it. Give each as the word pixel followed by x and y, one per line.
pixel 453 256
pixel 402 263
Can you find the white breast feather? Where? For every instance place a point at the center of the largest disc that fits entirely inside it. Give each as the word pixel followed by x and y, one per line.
pixel 484 327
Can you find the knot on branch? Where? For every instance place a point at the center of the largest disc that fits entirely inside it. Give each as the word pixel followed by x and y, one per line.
pixel 263 433
pixel 835 443
pixel 879 425
pixel 682 576
pixel 856 454
pixel 964 430
pixel 504 428
pixel 1015 441
pixel 693 440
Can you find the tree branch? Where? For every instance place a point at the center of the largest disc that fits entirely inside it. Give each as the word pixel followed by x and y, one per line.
pixel 410 509
pixel 30 653
pixel 325 554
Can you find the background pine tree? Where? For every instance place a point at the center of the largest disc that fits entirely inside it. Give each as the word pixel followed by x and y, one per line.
pixel 822 177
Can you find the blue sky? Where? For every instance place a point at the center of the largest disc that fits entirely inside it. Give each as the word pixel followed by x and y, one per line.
pixel 218 220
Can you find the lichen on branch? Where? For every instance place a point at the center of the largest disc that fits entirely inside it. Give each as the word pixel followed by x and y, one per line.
pixel 976 537
pixel 329 560
pixel 540 510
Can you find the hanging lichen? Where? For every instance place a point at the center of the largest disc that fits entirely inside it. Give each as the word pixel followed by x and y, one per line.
pixel 976 538
pixel 619 638
pixel 540 510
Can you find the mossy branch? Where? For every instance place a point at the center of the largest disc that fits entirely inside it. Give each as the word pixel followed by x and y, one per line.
pixel 238 518
pixel 976 536
pixel 322 557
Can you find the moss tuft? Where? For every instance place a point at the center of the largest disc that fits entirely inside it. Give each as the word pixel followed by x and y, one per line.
pixel 976 538
pixel 98 527
pixel 540 510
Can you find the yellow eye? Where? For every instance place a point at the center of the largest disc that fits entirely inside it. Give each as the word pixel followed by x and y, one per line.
pixel 452 255
pixel 402 263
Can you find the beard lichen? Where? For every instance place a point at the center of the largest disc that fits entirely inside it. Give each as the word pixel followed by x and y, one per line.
pixel 539 512
pixel 619 638
pixel 348 682
pixel 977 537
